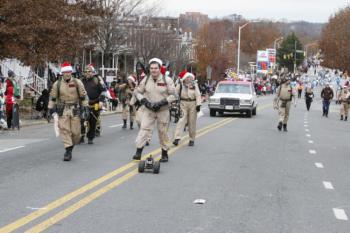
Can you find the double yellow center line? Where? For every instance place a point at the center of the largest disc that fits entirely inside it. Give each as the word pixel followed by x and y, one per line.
pixel 91 197
pixel 61 201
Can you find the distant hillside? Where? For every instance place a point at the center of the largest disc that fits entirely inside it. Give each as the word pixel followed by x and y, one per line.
pixel 307 32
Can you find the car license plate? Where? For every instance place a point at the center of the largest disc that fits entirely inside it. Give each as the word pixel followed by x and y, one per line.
pixel 229 107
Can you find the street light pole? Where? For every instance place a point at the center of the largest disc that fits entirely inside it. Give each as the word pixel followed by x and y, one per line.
pixel 239 46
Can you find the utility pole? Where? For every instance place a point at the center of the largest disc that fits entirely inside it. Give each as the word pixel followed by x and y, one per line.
pixel 295 56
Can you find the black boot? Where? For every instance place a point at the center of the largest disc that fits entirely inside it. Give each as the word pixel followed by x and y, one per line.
pixel 346 118
pixel 285 127
pixel 124 126
pixel 341 117
pixel 191 143
pixel 147 143
pixel 90 141
pixel 165 157
pixel 68 154
pixel 176 142
pixel 279 127
pixel 82 140
pixel 138 154
pixel 131 125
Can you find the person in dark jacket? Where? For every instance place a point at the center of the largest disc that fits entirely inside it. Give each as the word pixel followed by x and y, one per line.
pixel 95 90
pixel 309 95
pixel 327 95
pixel 43 102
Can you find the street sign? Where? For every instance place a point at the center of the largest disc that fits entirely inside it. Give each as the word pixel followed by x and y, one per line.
pixel 209 71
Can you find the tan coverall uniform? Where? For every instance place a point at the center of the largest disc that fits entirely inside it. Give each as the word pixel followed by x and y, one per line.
pixel 69 123
pixel 125 97
pixel 155 91
pixel 190 98
pixel 284 96
pixel 344 99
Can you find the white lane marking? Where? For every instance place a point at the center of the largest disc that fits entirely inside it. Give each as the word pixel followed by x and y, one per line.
pixel 306 126
pixel 115 126
pixel 310 141
pixel 319 165
pixel 313 152
pixel 340 214
pixel 328 185
pixel 35 208
pixel 307 130
pixel 10 149
pixel 308 135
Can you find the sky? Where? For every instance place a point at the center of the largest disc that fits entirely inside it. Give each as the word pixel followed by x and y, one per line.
pixel 317 11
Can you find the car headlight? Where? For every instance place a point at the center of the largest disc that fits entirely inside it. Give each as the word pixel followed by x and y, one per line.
pixel 246 102
pixel 214 101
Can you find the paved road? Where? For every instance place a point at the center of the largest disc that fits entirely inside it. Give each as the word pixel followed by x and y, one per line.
pixel 253 178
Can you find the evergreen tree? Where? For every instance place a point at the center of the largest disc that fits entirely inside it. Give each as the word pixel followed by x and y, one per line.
pixel 290 52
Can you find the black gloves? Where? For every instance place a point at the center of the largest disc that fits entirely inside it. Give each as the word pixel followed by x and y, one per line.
pixel 198 108
pixel 154 107
pixel 147 104
pixel 52 111
pixel 158 105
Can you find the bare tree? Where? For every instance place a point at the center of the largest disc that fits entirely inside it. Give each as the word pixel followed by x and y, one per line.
pixel 335 40
pixel 148 42
pixel 112 31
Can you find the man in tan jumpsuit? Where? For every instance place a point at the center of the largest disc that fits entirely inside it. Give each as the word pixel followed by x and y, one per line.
pixel 155 93
pixel 282 102
pixel 190 103
pixel 125 91
pixel 68 95
pixel 344 100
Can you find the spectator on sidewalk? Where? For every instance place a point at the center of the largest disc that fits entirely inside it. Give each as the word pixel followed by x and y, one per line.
pixel 2 103
pixel 43 102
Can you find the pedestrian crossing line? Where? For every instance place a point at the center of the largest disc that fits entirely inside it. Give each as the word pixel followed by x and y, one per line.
pixel 319 165
pixel 311 142
pixel 308 135
pixel 59 202
pixel 340 214
pixel 88 199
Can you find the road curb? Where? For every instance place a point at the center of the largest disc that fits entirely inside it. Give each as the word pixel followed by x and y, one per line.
pixel 44 122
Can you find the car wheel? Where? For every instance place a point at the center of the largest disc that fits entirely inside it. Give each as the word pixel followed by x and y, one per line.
pixel 249 113
pixel 212 113
pixel 254 112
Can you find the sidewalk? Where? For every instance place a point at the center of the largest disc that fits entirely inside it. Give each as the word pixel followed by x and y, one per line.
pixel 27 123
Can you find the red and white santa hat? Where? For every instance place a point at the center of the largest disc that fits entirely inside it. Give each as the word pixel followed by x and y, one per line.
pixel 184 75
pixel 66 67
pixel 131 78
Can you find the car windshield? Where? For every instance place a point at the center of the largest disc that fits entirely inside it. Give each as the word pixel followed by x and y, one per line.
pixel 233 88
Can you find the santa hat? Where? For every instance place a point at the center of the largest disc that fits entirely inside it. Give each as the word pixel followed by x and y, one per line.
pixel 66 67
pixel 184 75
pixel 90 67
pixel 157 60
pixel 132 79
